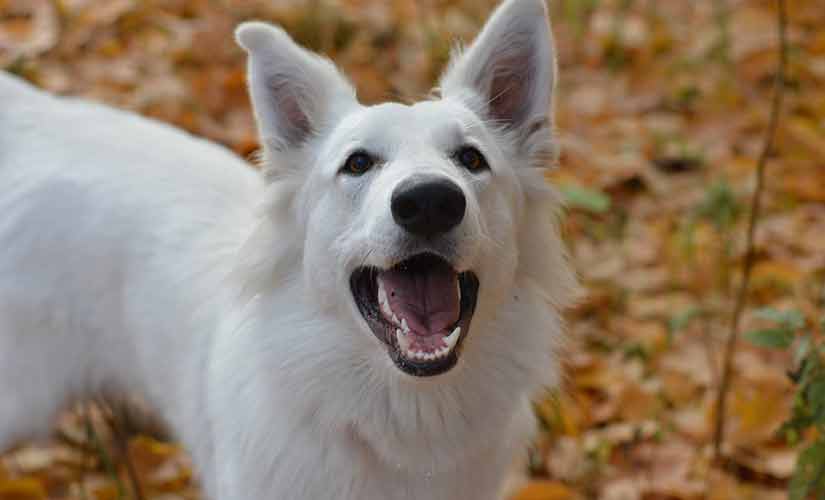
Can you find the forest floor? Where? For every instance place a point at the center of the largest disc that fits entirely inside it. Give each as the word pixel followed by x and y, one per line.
pixel 662 109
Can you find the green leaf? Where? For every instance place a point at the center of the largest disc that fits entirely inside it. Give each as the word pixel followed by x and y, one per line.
pixel 720 205
pixel 809 476
pixel 583 198
pixel 792 319
pixel 773 338
pixel 681 320
pixel 802 350
pixel 815 396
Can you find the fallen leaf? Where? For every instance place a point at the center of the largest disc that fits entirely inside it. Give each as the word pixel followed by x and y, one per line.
pixel 22 489
pixel 544 490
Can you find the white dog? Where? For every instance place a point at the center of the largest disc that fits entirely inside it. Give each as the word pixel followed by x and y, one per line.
pixel 367 318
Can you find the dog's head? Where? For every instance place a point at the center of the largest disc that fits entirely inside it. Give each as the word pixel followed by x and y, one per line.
pixel 415 213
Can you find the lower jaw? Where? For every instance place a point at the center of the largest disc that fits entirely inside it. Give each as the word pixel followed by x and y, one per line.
pixel 431 367
pixel 424 369
pixel 363 284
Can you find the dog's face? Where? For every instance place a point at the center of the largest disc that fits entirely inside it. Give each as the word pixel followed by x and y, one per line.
pixel 413 212
pixel 417 204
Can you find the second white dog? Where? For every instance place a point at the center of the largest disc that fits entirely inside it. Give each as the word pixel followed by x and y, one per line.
pixel 366 319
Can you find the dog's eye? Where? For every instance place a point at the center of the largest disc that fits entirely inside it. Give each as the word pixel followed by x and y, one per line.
pixel 471 159
pixel 358 163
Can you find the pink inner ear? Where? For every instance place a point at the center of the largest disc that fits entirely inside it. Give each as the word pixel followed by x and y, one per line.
pixel 510 88
pixel 293 119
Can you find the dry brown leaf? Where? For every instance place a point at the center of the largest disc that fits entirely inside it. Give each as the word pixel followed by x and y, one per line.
pixel 544 490
pixel 22 489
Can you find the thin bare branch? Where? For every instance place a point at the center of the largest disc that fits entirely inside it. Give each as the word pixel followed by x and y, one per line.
pixel 739 306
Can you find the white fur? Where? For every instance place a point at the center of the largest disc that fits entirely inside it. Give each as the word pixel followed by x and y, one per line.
pixel 137 258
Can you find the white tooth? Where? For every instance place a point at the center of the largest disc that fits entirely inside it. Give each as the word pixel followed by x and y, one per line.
pixel 382 299
pixel 403 340
pixel 452 338
pixel 382 294
pixel 404 325
pixel 394 317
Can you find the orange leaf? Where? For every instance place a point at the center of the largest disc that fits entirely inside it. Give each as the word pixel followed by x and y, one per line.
pixel 22 489
pixel 544 490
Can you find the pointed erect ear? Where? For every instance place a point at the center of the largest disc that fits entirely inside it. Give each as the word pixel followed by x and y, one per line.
pixel 509 70
pixel 295 93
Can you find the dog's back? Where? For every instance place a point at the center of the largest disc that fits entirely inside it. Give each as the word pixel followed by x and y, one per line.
pixel 93 199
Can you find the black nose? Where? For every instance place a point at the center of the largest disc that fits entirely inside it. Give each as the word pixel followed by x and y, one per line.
pixel 428 208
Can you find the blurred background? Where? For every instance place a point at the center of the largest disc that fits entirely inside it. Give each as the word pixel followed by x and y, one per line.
pixel 662 108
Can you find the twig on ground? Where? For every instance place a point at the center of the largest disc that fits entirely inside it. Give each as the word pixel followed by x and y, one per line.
pixel 97 444
pixel 739 305
pixel 122 441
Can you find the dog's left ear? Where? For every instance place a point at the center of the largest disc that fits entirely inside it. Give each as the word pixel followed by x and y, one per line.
pixel 295 93
pixel 509 70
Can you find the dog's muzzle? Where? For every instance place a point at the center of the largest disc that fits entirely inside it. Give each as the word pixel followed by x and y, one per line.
pixel 421 307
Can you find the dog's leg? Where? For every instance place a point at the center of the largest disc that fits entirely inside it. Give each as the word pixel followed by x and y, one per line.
pixel 34 379
pixel 23 416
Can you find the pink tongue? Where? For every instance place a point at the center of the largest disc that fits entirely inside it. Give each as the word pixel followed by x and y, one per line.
pixel 427 299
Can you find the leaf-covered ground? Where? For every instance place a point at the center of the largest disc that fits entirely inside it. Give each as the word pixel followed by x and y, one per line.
pixel 662 108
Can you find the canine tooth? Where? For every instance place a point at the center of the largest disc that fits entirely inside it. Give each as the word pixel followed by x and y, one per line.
pixel 452 338
pixel 404 325
pixel 382 293
pixel 383 301
pixel 403 340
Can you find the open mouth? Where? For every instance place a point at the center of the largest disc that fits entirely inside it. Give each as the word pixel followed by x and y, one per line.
pixel 420 308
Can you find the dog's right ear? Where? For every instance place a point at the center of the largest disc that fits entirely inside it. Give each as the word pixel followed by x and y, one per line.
pixel 295 93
